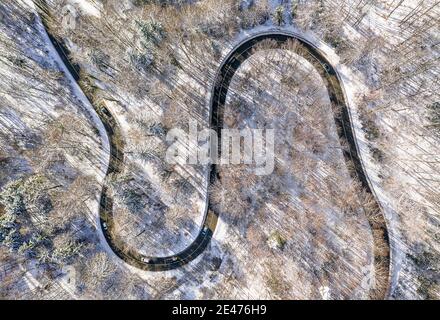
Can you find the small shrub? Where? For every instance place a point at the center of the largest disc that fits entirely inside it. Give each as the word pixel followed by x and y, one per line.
pixel 66 250
pixel 294 9
pixel 158 130
pixel 142 62
pixel 378 155
pixel 12 198
pixel 434 117
pixel 276 241
pixel 100 60
pixel 278 15
pixel 152 32
pixel 372 132
pixel 427 287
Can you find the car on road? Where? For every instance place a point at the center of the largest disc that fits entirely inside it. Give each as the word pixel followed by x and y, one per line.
pixel 147 260
pixel 106 112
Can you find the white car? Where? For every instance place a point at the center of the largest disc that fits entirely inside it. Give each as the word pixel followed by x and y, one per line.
pixel 146 260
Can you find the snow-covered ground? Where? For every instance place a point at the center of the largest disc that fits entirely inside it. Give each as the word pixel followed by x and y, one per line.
pixel 401 161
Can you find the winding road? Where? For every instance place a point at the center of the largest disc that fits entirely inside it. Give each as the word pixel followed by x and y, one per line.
pixel 218 98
